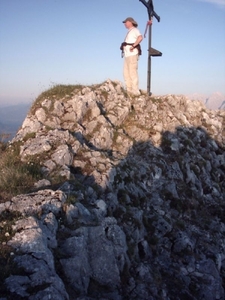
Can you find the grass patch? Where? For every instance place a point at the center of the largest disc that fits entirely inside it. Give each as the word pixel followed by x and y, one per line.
pixel 16 177
pixel 56 92
pixel 28 136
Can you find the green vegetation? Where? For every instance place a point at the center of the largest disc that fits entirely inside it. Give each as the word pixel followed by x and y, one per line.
pixel 16 177
pixel 28 136
pixel 56 92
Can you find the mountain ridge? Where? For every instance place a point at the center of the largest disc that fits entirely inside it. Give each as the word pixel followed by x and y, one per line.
pixel 12 116
pixel 138 208
pixel 214 101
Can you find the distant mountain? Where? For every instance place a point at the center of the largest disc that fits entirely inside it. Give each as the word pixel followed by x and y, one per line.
pixel 12 117
pixel 222 106
pixel 214 101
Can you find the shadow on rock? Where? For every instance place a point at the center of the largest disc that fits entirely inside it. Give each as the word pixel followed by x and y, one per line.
pixel 154 231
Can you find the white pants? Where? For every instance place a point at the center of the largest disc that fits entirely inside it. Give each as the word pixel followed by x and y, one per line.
pixel 130 73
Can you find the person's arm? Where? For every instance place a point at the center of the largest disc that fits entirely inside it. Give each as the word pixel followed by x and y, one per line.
pixel 138 40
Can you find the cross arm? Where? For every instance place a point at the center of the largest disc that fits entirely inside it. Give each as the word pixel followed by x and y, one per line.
pixel 150 9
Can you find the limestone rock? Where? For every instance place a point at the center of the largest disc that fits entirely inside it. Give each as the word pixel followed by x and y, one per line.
pixel 139 211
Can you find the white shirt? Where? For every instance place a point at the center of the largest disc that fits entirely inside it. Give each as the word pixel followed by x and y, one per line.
pixel 131 37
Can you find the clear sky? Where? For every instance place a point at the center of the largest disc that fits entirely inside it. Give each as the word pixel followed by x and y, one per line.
pixel 48 42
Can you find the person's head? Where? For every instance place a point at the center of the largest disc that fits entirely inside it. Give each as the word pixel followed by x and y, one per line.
pixel 130 22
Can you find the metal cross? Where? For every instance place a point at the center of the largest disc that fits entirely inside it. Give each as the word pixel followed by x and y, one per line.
pixel 151 51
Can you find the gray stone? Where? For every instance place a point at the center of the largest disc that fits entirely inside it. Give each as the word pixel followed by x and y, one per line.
pixel 62 156
pixel 42 183
pixel 139 210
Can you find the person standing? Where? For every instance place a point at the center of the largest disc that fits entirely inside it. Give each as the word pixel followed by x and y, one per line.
pixel 131 50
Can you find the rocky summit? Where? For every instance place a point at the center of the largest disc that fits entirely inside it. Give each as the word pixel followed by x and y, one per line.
pixel 132 200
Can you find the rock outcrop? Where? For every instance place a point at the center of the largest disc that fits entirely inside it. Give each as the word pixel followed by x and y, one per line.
pixel 139 207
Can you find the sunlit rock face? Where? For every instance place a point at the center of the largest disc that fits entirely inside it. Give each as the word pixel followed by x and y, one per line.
pixel 139 211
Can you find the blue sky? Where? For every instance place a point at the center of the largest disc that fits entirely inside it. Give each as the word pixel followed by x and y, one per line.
pixel 48 42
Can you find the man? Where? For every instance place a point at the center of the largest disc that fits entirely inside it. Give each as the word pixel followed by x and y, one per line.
pixel 131 50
